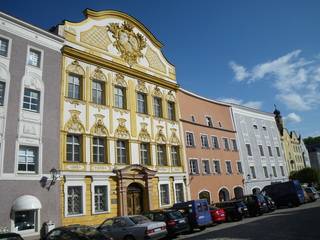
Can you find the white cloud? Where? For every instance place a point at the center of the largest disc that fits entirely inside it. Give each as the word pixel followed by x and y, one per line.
pixel 293 117
pixel 296 80
pixel 251 104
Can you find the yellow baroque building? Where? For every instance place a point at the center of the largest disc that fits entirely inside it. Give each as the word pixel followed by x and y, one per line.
pixel 121 139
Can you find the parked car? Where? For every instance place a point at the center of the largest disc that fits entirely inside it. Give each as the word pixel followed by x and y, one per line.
pixel 256 204
pixel 307 199
pixel 10 236
pixel 312 193
pixel 75 232
pixel 285 194
pixel 235 209
pixel 197 212
pixel 270 203
pixel 176 223
pixel 133 227
pixel 218 215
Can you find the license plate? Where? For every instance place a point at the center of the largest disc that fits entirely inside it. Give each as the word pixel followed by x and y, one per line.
pixel 182 221
pixel 157 229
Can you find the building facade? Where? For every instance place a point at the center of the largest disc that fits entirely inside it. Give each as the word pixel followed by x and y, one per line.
pixel 121 149
pixel 30 66
pixel 314 153
pixel 260 148
pixel 305 154
pixel 215 170
pixel 291 143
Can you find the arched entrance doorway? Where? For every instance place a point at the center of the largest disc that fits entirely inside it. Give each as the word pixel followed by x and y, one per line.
pixel 135 199
pixel 224 195
pixel 205 195
pixel 238 192
pixel 256 190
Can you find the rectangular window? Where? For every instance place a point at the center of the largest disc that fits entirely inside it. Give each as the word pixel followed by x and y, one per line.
pixel 164 194
pixel 278 151
pixel 216 166
pixel 25 220
pixel 282 171
pixel 120 97
pixel 75 200
pixel 265 170
pixel 194 166
pixel 204 141
pixel 74 86
pixel 4 47
pixel 205 167
pixel 253 172
pixel 98 92
pixel 122 152
pixel 28 159
pixel 228 167
pixel 274 170
pixel 193 119
pixel 209 122
pixel 270 151
pixel 34 57
pixel 145 154
pixel 98 150
pixel 100 198
pixel 175 156
pixel 171 110
pixel 234 145
pixel 2 92
pixel 239 166
pixel 73 148
pixel 31 100
pixel 215 142
pixel 161 155
pixel 179 192
pixel 226 144
pixel 190 139
pixel 142 103
pixel 261 150
pixel 248 149
pixel 157 106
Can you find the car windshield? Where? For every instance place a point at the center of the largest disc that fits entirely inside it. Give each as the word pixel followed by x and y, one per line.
pixel 85 231
pixel 139 219
pixel 308 190
pixel 175 215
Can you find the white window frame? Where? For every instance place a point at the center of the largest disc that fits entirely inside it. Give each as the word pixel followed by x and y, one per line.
pixel 77 182
pixel 159 190
pixel 212 142
pixel 234 148
pixel 250 150
pixel 224 144
pixel 205 136
pixel 264 173
pixel 9 47
pixel 100 182
pixel 228 173
pixel 213 166
pixel 193 173
pixel 194 140
pixel 28 232
pixel 255 172
pixel 241 167
pixel 209 121
pixel 184 190
pixel 274 171
pixel 41 57
pixel 37 164
pixel 203 168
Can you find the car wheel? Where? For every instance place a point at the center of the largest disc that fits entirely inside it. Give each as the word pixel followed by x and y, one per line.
pixel 202 228
pixel 129 237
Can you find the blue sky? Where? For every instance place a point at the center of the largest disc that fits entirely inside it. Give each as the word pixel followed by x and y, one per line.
pixel 256 53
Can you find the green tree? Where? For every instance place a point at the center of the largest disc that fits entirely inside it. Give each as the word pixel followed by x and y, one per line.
pixel 311 140
pixel 306 175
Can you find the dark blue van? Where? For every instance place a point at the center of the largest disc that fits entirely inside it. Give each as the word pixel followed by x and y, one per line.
pixel 197 212
pixel 285 194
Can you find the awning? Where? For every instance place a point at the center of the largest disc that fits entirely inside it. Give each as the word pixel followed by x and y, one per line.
pixel 26 202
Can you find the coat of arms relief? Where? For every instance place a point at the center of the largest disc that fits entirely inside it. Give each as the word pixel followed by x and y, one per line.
pixel 128 43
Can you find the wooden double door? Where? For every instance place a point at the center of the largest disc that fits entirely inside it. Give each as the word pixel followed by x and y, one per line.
pixel 135 199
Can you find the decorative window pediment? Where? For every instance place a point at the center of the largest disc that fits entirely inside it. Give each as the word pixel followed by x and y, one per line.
pixel 99 75
pixel 99 129
pixel 160 137
pixel 157 92
pixel 141 87
pixel 122 131
pixel 174 138
pixel 33 81
pixel 170 97
pixel 144 135
pixel 75 68
pixel 74 123
pixel 119 80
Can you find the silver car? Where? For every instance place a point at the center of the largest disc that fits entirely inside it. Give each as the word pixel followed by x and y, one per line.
pixel 312 193
pixel 133 227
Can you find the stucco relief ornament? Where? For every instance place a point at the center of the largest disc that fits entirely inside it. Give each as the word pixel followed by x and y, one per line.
pixel 174 138
pixel 122 131
pixel 74 124
pixel 99 128
pixel 128 43
pixel 144 135
pixel 160 137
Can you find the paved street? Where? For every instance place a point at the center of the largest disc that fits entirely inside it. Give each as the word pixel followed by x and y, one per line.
pixel 294 223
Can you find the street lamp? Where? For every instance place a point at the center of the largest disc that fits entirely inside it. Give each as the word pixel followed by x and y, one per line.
pixel 55 175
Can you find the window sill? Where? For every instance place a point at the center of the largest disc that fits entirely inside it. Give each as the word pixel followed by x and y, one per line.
pixel 121 109
pixel 27 173
pixel 74 100
pixel 190 146
pixel 75 215
pixel 205 148
pixel 29 110
pixel 98 104
pixel 194 174
pixel 98 213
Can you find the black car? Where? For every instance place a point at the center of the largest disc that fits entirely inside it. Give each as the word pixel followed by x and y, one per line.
pixel 75 232
pixel 256 204
pixel 235 210
pixel 270 203
pixel 176 223
pixel 10 236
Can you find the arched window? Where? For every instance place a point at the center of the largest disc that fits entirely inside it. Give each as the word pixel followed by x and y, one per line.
pixel 205 195
pixel 238 192
pixel 224 195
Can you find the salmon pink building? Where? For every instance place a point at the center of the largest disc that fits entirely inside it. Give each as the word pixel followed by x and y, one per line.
pixel 215 170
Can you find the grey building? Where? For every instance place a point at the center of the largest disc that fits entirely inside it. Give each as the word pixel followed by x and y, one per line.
pixel 314 154
pixel 305 154
pixel 260 148
pixel 30 72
